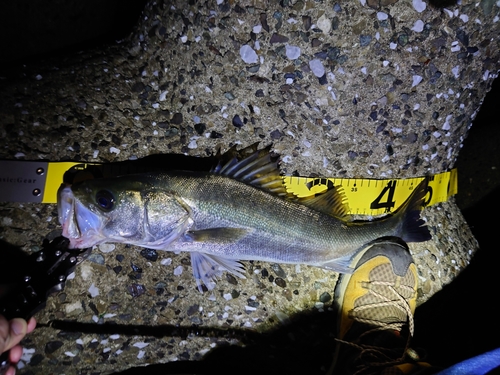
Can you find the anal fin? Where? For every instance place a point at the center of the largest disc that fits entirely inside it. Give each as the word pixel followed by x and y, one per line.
pixel 340 265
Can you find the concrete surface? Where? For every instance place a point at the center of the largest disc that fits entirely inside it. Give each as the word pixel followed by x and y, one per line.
pixel 396 100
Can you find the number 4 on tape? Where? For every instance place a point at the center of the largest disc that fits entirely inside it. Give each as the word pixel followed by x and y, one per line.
pixel 389 203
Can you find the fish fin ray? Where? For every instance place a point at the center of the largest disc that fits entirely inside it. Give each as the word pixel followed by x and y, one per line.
pixel 340 265
pixel 248 166
pixel 257 169
pixel 413 227
pixel 332 202
pixel 206 268
pixel 226 168
pixel 226 160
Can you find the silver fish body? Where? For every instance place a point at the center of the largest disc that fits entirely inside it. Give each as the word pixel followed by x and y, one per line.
pixel 239 212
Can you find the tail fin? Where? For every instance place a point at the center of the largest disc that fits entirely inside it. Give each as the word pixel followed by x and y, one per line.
pixel 413 228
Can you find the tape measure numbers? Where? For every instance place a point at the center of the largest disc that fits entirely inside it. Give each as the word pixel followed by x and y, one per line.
pixel 375 197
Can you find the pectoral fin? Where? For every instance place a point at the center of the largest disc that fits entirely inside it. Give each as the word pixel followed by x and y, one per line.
pixel 207 267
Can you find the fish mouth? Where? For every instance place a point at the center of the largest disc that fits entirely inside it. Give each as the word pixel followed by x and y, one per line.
pixel 66 211
pixel 79 224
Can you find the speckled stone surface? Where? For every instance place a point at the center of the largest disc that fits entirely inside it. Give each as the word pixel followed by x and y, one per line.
pixel 340 89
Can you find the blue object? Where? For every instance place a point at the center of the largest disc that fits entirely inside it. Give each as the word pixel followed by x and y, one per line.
pixel 479 365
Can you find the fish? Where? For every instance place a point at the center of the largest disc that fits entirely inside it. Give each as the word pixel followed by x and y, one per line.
pixel 238 210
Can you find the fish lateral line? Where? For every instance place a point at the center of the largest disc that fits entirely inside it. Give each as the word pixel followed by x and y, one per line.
pixel 238 211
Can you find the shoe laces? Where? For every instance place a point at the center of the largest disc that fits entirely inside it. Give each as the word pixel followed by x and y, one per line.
pixel 373 356
pixel 393 299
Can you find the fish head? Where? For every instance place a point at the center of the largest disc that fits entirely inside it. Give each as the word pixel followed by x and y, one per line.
pixel 127 209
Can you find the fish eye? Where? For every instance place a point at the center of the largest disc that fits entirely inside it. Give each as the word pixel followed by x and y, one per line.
pixel 105 200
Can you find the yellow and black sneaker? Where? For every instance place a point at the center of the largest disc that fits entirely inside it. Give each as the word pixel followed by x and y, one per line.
pixel 376 304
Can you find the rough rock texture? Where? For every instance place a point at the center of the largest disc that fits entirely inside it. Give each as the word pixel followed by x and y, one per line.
pixel 397 96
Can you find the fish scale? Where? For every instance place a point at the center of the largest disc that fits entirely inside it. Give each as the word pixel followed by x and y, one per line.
pixel 282 230
pixel 218 201
pixel 238 211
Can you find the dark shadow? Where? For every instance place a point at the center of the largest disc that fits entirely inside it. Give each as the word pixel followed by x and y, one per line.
pixel 27 280
pixel 305 345
pixel 478 162
pixel 461 321
pixel 56 31
pixel 159 163
pixel 15 258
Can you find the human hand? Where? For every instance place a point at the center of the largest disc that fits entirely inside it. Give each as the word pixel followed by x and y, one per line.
pixel 11 333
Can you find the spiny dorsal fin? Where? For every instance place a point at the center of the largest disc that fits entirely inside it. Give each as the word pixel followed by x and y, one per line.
pixel 233 153
pixel 333 202
pixel 256 169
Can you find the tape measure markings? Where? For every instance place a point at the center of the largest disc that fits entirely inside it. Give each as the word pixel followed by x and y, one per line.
pixel 372 196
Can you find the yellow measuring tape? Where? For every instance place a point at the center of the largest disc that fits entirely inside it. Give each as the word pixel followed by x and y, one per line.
pixel 364 196
pixel 374 197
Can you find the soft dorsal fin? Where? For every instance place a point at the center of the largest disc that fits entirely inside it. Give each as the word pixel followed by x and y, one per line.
pixel 333 202
pixel 257 170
